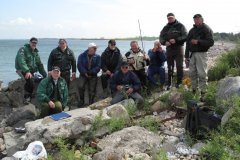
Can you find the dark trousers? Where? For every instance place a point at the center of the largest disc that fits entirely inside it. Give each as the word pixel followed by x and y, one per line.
pixel 153 70
pixel 142 76
pixel 66 76
pixel 175 55
pixel 28 87
pixel 105 78
pixel 92 84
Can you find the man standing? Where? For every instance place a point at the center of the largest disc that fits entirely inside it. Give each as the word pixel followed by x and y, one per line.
pixel 157 58
pixel 52 93
pixel 111 59
pixel 27 63
pixel 199 40
pixel 89 64
pixel 126 85
pixel 64 58
pixel 137 61
pixel 173 36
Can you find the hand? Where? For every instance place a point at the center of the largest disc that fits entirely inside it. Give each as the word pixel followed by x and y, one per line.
pixel 129 91
pixel 49 73
pixel 87 75
pixel 168 44
pixel 145 57
pixel 187 62
pixel 119 87
pixel 194 41
pixel 130 61
pixel 28 75
pixel 73 76
pixel 172 41
pixel 51 104
pixel 108 72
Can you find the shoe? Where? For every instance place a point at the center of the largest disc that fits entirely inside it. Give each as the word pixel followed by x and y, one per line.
pixel 27 100
pixel 169 87
pixel 177 85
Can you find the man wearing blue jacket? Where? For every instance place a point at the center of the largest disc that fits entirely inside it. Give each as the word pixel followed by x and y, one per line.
pixel 89 64
pixel 126 84
pixel 157 58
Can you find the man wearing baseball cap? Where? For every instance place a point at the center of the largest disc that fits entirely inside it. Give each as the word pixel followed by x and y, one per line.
pixel 199 40
pixel 89 64
pixel 52 93
pixel 173 36
pixel 28 62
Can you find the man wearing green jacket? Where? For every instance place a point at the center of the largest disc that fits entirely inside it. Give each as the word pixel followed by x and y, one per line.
pixel 52 93
pixel 27 63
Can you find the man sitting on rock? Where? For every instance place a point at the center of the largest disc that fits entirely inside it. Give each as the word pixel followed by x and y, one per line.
pixel 126 85
pixel 52 93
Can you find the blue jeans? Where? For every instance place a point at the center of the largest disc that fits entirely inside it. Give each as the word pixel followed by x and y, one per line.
pixel 160 70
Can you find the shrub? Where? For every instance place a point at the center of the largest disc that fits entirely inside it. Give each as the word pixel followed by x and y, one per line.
pixel 116 124
pixel 150 123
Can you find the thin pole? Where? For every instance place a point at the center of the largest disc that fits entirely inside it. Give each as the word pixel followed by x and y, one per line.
pixel 140 33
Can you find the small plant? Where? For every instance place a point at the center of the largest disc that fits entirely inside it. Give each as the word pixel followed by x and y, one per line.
pixel 150 123
pixel 189 140
pixel 86 150
pixel 116 124
pixel 161 155
pixel 131 109
pixel 210 95
pixel 66 150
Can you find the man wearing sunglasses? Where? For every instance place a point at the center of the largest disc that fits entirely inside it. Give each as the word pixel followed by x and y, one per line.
pixel 111 59
pixel 89 64
pixel 64 58
pixel 27 63
pixel 126 84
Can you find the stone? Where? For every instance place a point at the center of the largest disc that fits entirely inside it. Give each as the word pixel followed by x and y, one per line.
pixel 227 88
pixel 15 98
pixel 171 139
pixel 14 142
pixel 16 85
pixel 169 147
pixel 116 111
pixel 227 116
pixel 127 102
pixel 198 146
pixel 129 141
pixel 1 132
pixel 101 104
pixel 9 158
pixel 175 98
pixel 142 156
pixel 2 147
pixel 71 128
pixel 182 149
pixel 1 141
pixel 27 112
pixel 3 98
pixel 79 142
pixel 158 107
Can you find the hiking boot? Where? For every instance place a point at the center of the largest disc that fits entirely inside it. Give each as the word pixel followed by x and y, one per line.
pixel 169 87
pixel 81 104
pixel 202 98
pixel 27 100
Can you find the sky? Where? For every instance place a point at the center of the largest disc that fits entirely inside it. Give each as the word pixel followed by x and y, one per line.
pixel 22 19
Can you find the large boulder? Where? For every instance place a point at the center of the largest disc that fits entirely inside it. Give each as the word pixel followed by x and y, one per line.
pixel 158 107
pixel 228 87
pixel 47 130
pixel 17 85
pixel 115 111
pixel 15 98
pixel 101 104
pixel 128 142
pixel 176 98
pixel 22 114
pixel 3 99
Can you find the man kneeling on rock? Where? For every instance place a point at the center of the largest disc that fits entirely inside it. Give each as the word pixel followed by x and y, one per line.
pixel 52 93
pixel 126 85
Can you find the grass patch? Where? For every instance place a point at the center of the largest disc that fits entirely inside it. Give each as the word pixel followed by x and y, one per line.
pixel 131 109
pixel 116 124
pixel 161 155
pixel 150 123
pixel 227 64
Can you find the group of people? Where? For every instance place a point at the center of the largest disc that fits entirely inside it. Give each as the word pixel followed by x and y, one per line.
pixel 125 74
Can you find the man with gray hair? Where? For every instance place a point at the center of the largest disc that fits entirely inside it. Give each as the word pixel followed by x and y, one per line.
pixel 199 40
pixel 89 64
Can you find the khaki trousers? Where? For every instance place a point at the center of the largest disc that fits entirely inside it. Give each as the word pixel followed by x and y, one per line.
pixel 198 70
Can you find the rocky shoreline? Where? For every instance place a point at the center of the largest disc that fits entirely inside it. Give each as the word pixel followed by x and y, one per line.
pixel 132 142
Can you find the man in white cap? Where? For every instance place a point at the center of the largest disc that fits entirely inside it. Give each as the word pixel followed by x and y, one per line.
pixel 89 64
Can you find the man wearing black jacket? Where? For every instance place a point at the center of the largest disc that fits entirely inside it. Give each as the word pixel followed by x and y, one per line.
pixel 126 84
pixel 199 40
pixel 111 59
pixel 173 36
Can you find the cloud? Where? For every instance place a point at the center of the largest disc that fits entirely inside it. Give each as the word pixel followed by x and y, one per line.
pixel 58 26
pixel 21 21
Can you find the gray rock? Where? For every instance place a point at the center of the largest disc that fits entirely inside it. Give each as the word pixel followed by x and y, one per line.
pixel 3 98
pixel 227 116
pixel 169 147
pixel 15 98
pixel 228 87
pixel 175 98
pixel 171 139
pixel 198 146
pixel 72 127
pixel 127 142
pixel 117 111
pixel 14 142
pixel 182 149
pixel 17 85
pixel 1 132
pixel 27 112
pixel 9 158
pixel 158 107
pixel 101 104
pixel 127 102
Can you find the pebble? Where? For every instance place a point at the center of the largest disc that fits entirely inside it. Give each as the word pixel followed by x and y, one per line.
pixel 2 147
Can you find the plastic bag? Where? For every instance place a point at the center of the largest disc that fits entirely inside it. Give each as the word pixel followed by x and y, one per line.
pixel 34 151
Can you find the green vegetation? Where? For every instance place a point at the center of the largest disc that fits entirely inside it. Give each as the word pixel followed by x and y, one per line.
pixel 131 108
pixel 116 124
pixel 226 37
pixel 161 155
pixel 150 123
pixel 227 64
pixel 225 144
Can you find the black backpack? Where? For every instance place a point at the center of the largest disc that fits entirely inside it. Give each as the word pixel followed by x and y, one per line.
pixel 200 120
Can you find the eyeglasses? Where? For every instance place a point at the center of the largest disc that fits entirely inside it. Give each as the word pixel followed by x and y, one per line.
pixel 125 67
pixel 34 42
pixel 62 43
